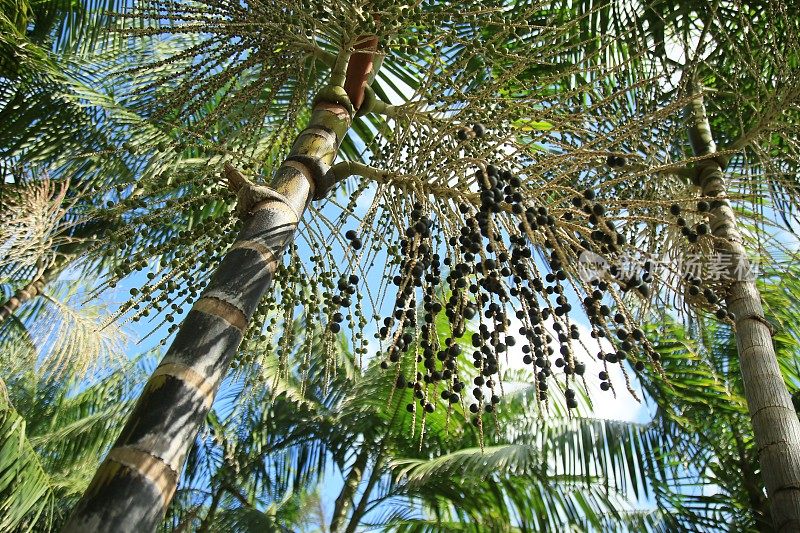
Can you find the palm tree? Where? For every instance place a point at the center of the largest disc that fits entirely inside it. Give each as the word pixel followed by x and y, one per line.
pixel 50 138
pixel 137 481
pixel 772 413
pixel 709 456
pixel 723 47
pixel 747 144
pixel 222 91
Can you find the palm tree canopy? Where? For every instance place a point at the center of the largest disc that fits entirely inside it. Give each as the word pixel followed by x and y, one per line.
pixel 499 145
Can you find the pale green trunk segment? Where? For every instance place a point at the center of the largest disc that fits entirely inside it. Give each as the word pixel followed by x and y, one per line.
pixel 361 508
pixel 775 423
pixel 349 489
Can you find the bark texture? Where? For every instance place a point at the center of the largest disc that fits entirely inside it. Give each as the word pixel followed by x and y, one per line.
pixel 775 423
pixel 132 488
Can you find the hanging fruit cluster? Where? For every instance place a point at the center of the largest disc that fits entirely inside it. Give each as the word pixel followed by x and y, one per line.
pixel 494 278
pixel 716 267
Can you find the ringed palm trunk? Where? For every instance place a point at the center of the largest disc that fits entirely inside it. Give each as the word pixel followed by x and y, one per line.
pixel 775 422
pixel 132 488
pixel 28 292
pixel 34 288
pixel 65 254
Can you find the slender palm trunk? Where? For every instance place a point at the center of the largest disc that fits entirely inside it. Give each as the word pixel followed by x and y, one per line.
pixel 775 423
pixel 34 288
pixel 361 507
pixel 205 524
pixel 349 489
pixel 132 488
pixel 65 254
pixel 26 293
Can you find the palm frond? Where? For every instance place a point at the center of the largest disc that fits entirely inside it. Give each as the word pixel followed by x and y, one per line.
pixel 26 494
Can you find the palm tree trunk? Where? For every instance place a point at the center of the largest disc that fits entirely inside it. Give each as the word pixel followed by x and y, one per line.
pixel 26 293
pixel 132 488
pixel 34 288
pixel 205 524
pixel 349 488
pixel 775 423
pixel 358 512
pixel 65 254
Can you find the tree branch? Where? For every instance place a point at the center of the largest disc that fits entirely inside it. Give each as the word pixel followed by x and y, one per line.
pixel 764 121
pixel 212 510
pixel 345 169
pixel 324 56
pixel 373 104
pixel 233 491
